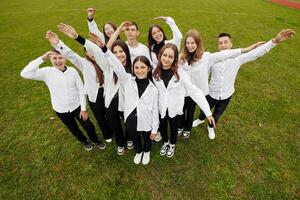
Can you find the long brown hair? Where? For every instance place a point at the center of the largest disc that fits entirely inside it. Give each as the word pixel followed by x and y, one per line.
pixel 99 72
pixel 174 66
pixel 152 44
pixel 197 54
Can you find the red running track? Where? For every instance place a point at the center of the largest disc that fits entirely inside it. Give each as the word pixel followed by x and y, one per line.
pixel 287 3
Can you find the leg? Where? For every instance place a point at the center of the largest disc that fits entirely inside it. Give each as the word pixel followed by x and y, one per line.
pixel 147 140
pixel 190 109
pixel 174 127
pixel 212 102
pixel 131 124
pixel 220 107
pixel 164 129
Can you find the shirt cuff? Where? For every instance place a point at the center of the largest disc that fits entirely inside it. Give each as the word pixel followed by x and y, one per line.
pixel 80 39
pixel 90 20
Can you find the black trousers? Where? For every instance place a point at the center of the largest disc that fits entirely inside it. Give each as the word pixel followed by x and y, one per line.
pixel 69 120
pixel 219 108
pixel 188 114
pixel 131 127
pixel 114 121
pixel 98 109
pixel 127 135
pixel 174 124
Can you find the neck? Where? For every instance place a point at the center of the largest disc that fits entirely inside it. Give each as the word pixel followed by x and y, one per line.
pixel 165 68
pixel 133 43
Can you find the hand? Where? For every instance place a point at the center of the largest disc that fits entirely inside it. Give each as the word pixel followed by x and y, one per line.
pixel 95 38
pixel 124 25
pixel 283 35
pixel 67 30
pixel 52 37
pixel 83 115
pixel 47 55
pixel 152 136
pixel 253 46
pixel 161 17
pixel 91 12
pixel 211 120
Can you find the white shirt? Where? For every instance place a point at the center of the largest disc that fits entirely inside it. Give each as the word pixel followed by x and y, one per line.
pixel 199 71
pixel 172 97
pixel 93 28
pixel 66 88
pixel 177 37
pixel 91 86
pixel 140 50
pixel 223 74
pixel 146 105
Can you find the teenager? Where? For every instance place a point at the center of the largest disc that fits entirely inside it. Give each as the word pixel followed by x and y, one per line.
pixel 66 93
pixel 223 74
pixel 93 81
pixel 173 84
pixel 157 38
pixel 113 96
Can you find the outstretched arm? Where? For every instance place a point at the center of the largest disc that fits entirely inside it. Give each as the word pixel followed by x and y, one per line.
pixel 115 35
pixel 93 27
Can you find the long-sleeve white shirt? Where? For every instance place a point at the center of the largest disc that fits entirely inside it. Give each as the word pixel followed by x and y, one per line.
pixel 199 71
pixel 223 74
pixel 93 28
pixel 177 37
pixel 172 97
pixel 146 105
pixel 140 50
pixel 91 86
pixel 66 88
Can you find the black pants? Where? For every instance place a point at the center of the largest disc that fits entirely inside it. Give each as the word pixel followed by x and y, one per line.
pixel 114 120
pixel 219 108
pixel 131 127
pixel 98 109
pixel 69 120
pixel 173 126
pixel 127 135
pixel 188 114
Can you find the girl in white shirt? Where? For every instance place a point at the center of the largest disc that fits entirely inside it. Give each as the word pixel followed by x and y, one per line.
pixel 173 84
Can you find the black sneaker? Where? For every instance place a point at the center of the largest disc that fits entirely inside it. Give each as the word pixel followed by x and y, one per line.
pixel 100 145
pixel 87 145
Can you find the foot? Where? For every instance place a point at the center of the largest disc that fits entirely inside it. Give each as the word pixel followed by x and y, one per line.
pixel 186 134
pixel 87 145
pixel 100 145
pixel 180 131
pixel 171 150
pixel 211 133
pixel 120 150
pixel 108 140
pixel 197 122
pixel 137 158
pixel 158 137
pixel 129 144
pixel 146 158
pixel 164 148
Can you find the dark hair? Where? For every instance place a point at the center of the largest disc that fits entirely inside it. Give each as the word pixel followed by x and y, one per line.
pixel 125 48
pixel 174 66
pixel 197 54
pixel 55 51
pixel 224 35
pixel 147 62
pixel 135 24
pixel 152 45
pixel 99 72
pixel 105 36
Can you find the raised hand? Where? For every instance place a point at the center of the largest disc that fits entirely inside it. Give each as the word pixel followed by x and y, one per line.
pixel 47 55
pixel 91 12
pixel 161 17
pixel 124 25
pixel 67 30
pixel 283 35
pixel 95 38
pixel 52 37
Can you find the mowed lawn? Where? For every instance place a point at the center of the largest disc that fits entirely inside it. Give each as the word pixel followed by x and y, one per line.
pixel 256 151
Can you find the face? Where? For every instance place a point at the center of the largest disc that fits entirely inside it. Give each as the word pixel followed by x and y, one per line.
pixel 120 54
pixel 190 44
pixel 140 70
pixel 58 61
pixel 167 58
pixel 108 30
pixel 131 32
pixel 224 43
pixel 157 35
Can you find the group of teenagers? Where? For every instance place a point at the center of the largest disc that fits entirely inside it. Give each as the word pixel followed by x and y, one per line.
pixel 148 88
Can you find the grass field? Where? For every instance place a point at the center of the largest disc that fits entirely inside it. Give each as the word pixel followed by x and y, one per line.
pixel 256 152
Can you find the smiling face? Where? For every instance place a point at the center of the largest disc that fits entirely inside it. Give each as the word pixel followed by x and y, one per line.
pixel 108 30
pixel 224 43
pixel 167 58
pixel 131 32
pixel 190 44
pixel 58 61
pixel 157 34
pixel 140 70
pixel 120 54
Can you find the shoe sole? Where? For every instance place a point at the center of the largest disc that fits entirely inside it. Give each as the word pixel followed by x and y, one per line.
pixel 88 149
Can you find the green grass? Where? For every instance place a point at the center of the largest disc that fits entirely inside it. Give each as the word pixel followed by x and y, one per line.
pixel 255 154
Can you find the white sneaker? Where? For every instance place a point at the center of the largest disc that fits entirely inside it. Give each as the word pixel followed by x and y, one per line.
pixel 186 134
pixel 137 158
pixel 211 133
pixel 158 137
pixel 180 131
pixel 108 140
pixel 120 151
pixel 129 144
pixel 164 148
pixel 171 150
pixel 197 122
pixel 146 158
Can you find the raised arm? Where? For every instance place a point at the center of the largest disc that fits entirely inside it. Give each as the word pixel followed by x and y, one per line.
pixel 93 27
pixel 115 35
pixel 222 55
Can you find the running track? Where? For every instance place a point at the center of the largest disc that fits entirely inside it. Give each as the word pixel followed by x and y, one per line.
pixel 287 3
